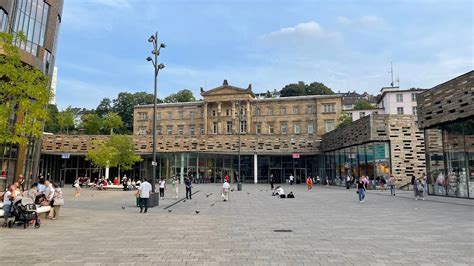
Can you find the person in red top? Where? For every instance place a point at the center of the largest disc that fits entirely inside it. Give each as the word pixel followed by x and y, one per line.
pixel 116 181
pixel 309 182
pixel 226 178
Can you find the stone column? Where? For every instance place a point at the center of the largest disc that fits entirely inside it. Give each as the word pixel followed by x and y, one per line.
pixel 247 113
pixel 255 168
pixel 205 118
pixel 233 117
pixel 181 170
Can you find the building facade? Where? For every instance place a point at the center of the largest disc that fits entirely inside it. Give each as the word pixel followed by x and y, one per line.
pixel 375 146
pixel 446 114
pixel 278 136
pixel 397 101
pixel 39 21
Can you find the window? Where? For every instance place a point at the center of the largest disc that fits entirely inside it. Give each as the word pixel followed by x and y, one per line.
pixel 296 110
pixel 283 111
pixel 329 108
pixel 258 129
pixel 284 128
pixel 158 116
pixel 271 129
pixel 214 113
pixel 242 111
pixel 297 128
pixel 215 128
pixel 169 130
pixel 191 115
pixel 191 130
pixel 142 116
pixel 202 114
pixel 310 128
pixel 3 20
pixel 229 127
pixel 361 114
pixel 181 115
pixel 257 111
pixel 270 111
pixel 310 109
pixel 180 130
pixel 329 125
pixel 170 115
pixel 201 129
pixel 158 130
pixel 413 97
pixel 400 110
pixel 141 130
pixel 414 110
pixel 243 126
pixel 399 98
pixel 227 112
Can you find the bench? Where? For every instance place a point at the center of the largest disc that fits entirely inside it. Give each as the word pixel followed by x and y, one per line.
pixel 39 209
pixel 113 187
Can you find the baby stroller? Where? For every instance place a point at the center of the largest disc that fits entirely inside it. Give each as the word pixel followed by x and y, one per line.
pixel 24 212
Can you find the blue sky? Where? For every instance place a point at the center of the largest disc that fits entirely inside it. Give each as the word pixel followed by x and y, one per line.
pixel 348 45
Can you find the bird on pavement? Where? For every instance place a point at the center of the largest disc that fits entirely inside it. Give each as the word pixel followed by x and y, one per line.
pixel 232 190
pixel 123 207
pixel 212 204
pixel 184 200
pixel 248 193
pixel 197 212
pixel 169 210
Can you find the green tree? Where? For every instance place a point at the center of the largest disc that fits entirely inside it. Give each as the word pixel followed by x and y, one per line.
pixel 125 103
pixel 65 120
pixel 317 88
pixel 344 120
pixel 363 105
pixel 112 121
pixel 91 124
pixel 102 155
pixel 104 107
pixel 51 123
pixel 180 97
pixel 24 94
pixel 293 89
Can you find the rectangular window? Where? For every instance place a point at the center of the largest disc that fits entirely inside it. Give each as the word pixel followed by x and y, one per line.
pixel 180 115
pixel 296 110
pixel 271 129
pixel 413 97
pixel 283 111
pixel 329 108
pixel 202 114
pixel 257 111
pixel 258 129
pixel 284 128
pixel 227 112
pixel 229 127
pixel 414 110
pixel 214 112
pixel 400 110
pixel 310 128
pixel 158 130
pixel 191 115
pixel 201 129
pixel 215 128
pixel 270 111
pixel 142 130
pixel 296 128
pixel 142 116
pixel 158 116
pixel 329 125
pixel 191 130
pixel 399 98
pixel 180 130
pixel 242 111
pixel 243 126
pixel 310 109
pixel 169 130
pixel 170 115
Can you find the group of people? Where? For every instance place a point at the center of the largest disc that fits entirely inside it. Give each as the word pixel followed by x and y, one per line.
pixel 43 192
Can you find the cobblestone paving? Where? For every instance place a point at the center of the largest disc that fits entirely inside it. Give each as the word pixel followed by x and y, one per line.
pixel 329 227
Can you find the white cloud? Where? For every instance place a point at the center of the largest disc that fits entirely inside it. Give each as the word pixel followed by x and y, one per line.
pixel 306 30
pixel 369 21
pixel 344 20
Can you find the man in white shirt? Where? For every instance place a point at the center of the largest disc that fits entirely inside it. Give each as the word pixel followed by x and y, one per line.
pixel 162 188
pixel 292 178
pixel 144 193
pixel 225 190
pixel 48 191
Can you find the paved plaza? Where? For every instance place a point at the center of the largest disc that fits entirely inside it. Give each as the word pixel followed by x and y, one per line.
pixel 328 226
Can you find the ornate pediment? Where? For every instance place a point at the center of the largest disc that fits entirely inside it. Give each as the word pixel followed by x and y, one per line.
pixel 227 89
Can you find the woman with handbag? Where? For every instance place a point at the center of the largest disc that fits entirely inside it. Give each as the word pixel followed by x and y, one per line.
pixel 57 203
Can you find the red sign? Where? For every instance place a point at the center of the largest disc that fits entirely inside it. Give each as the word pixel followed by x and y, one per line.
pixel 296 155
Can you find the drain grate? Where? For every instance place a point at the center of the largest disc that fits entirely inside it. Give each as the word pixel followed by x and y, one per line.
pixel 283 231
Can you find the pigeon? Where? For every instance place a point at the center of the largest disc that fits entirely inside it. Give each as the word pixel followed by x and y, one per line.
pixel 248 193
pixel 184 200
pixel 232 190
pixel 169 210
pixel 207 196
pixel 212 204
pixel 197 212
pixel 123 207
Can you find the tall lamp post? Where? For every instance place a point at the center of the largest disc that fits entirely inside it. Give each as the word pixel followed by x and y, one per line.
pixel 156 52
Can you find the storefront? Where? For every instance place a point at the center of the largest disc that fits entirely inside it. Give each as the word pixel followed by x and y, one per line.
pixel 16 160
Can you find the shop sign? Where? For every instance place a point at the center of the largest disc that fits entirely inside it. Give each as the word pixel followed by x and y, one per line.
pixel 296 155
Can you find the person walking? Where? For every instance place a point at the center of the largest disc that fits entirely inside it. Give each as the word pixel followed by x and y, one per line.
pixel 162 188
pixel 189 186
pixel 425 184
pixel 309 183
pixel 361 187
pixel 8 198
pixel 292 178
pixel 272 181
pixel 225 190
pixel 57 203
pixel 175 187
pixel 144 194
pixel 392 181
pixel 348 182
pixel 382 183
pixel 419 190
pixel 77 188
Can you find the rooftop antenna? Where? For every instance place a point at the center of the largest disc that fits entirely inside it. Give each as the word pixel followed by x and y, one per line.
pixel 391 73
pixel 398 81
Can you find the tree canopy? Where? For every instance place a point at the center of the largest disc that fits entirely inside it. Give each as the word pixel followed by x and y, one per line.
pixel 344 120
pixel 180 97
pixel 301 89
pixel 118 151
pixel 125 103
pixel 24 94
pixel 65 120
pixel 363 105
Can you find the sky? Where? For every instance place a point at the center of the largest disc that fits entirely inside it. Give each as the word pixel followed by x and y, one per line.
pixel 348 45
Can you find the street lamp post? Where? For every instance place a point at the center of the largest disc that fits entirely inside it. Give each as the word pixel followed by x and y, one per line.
pixel 156 52
pixel 239 185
